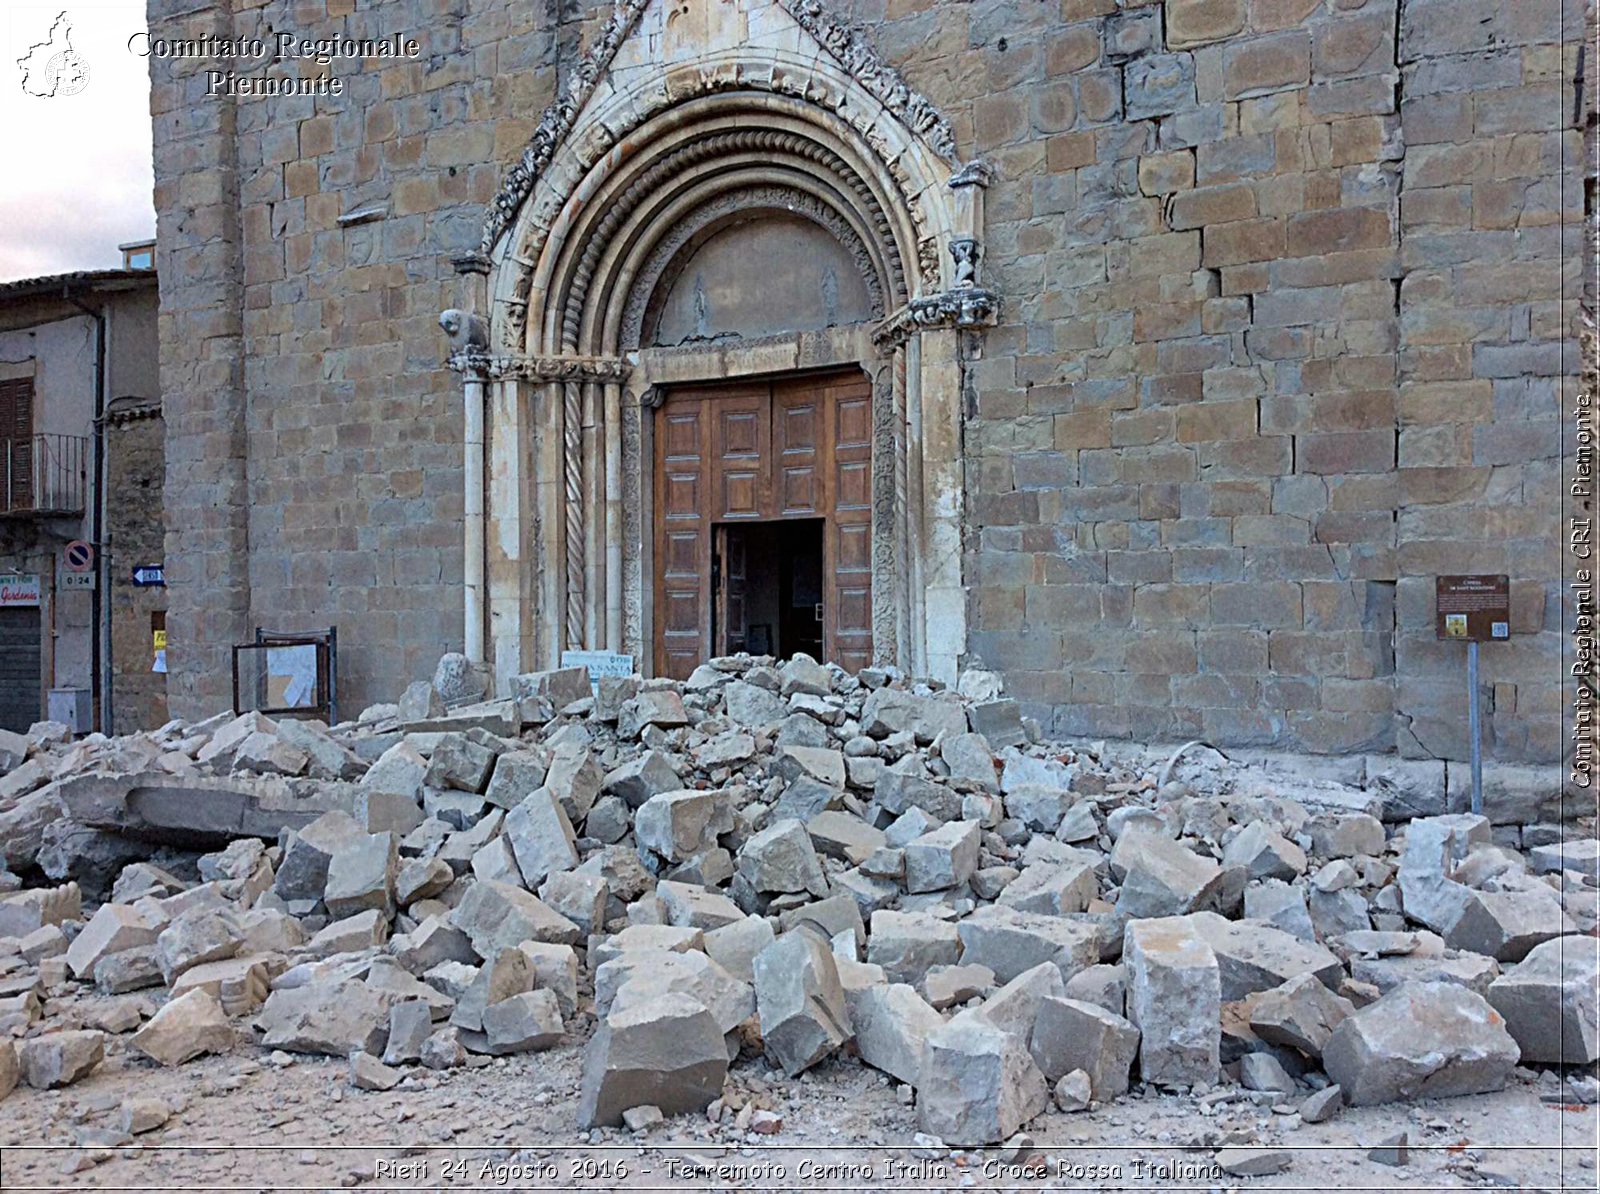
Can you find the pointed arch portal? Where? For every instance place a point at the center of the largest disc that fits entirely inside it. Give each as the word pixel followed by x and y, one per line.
pixel 695 126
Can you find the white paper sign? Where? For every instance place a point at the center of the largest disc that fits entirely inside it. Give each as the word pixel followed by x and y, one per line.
pixel 19 589
pixel 599 663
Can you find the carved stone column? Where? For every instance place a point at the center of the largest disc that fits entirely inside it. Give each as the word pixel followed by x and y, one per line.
pixel 944 597
pixel 612 409
pixel 514 568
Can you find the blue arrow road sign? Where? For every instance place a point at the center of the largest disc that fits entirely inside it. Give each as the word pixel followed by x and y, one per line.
pixel 149 574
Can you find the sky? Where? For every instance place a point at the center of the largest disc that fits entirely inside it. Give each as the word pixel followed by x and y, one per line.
pixel 78 176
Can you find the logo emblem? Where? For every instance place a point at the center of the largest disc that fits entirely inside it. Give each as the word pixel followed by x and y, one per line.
pixel 52 68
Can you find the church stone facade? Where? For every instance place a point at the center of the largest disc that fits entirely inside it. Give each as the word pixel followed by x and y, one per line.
pixel 1155 355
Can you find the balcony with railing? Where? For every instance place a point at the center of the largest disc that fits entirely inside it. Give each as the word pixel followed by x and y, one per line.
pixel 43 475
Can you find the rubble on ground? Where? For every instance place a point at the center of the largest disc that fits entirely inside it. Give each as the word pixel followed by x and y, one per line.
pixel 773 860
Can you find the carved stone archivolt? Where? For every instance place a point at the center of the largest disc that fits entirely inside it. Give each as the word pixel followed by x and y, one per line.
pixel 660 267
pixel 773 147
pixel 853 53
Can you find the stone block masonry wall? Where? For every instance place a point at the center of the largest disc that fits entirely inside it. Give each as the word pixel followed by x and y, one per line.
pixel 135 469
pixel 1492 245
pixel 1284 337
pixel 198 257
pixel 1285 341
pixel 315 436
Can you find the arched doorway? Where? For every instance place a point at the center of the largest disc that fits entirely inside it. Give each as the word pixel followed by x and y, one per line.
pixel 735 198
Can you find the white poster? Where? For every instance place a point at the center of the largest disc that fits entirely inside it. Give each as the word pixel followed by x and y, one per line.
pixel 291 677
pixel 20 588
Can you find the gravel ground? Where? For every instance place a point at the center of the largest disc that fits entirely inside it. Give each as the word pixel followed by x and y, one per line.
pixel 249 1121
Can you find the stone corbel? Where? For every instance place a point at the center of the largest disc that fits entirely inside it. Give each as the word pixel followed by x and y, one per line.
pixel 976 173
pixel 963 307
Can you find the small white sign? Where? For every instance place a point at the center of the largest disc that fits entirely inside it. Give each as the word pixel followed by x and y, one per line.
pixel 77 580
pixel 600 664
pixel 19 589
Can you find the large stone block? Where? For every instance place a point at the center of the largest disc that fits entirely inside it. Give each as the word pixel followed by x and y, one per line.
pixel 303 872
pixel 1175 1000
pixel 1072 1035
pixel 800 1001
pixel 907 944
pixel 666 1053
pixel 942 858
pixel 361 876
pixel 113 929
pixel 1162 878
pixel 977 1084
pixel 1256 957
pixel 60 1058
pixel 1009 942
pixel 782 859
pixel 1549 1002
pixel 541 837
pixel 332 1018
pixel 892 1024
pixel 646 974
pixel 192 1024
pixel 1420 1041
pixel 678 825
pixel 497 916
pixel 1506 925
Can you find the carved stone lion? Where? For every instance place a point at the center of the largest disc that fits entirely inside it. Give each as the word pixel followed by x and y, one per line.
pixel 467 332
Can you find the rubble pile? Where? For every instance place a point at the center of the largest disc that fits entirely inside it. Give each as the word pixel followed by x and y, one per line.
pixel 774 860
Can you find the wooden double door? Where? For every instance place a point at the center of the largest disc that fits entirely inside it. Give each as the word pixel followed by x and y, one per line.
pixel 763 521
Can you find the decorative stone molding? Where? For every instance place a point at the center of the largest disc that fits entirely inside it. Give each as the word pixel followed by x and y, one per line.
pixel 969 307
pixel 525 368
pixel 976 173
pixel 852 51
pixel 968 255
pixel 882 80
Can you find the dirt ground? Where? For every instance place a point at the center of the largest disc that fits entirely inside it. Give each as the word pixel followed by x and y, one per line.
pixel 250 1121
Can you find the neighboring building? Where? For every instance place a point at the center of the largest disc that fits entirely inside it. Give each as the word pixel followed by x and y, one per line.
pixel 1158 355
pixel 66 648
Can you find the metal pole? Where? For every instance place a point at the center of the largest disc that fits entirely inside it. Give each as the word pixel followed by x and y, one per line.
pixel 1477 736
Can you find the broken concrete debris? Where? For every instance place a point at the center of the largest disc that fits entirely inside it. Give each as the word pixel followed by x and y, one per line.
pixel 789 862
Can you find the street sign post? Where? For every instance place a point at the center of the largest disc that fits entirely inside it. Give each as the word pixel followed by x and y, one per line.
pixel 1473 609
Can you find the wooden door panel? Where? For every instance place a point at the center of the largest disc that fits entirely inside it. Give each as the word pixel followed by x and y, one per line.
pixel 732 613
pixel 741 454
pixel 799 426
pixel 682 554
pixel 850 525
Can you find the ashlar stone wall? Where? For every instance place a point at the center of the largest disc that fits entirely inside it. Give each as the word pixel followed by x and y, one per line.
pixel 1288 316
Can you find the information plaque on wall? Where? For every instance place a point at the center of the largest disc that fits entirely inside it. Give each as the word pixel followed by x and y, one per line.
pixel 1473 609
